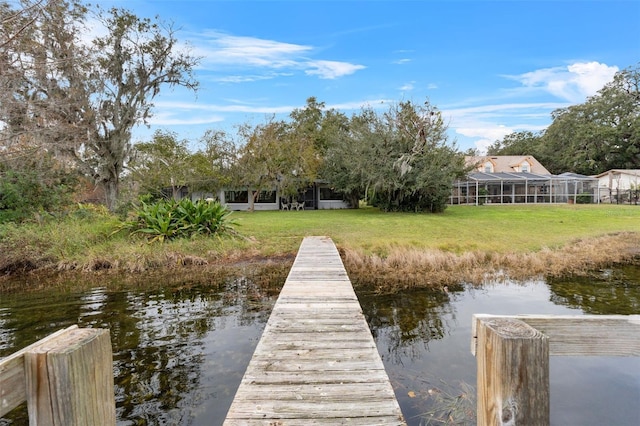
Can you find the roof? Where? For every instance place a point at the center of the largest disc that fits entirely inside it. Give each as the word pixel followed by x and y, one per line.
pixel 632 172
pixel 507 163
pixel 513 177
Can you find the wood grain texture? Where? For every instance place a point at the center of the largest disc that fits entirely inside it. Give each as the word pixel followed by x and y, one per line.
pixel 513 373
pixel 580 335
pixel 66 379
pixel 316 362
pixel 13 387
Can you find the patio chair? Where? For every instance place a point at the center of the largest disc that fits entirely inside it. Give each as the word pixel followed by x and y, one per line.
pixel 300 206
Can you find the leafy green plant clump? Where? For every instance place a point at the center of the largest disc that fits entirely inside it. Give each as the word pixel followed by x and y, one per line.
pixel 170 219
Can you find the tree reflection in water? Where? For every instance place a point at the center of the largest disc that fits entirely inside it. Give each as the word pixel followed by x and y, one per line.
pixel 165 343
pixel 407 321
pixel 617 292
pixel 180 352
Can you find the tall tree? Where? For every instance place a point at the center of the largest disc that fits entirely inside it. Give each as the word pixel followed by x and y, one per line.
pixel 351 155
pixel 421 163
pixel 134 61
pixel 282 155
pixel 601 134
pixel 518 143
pixel 82 101
pixel 45 96
pixel 161 163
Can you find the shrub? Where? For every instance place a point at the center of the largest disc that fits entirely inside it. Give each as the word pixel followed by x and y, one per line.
pixel 584 198
pixel 170 219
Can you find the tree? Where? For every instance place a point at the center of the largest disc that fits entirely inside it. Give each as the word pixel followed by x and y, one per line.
pixel 419 167
pixel 268 159
pixel 518 143
pixel 44 101
pixel 161 163
pixel 82 101
pixel 133 62
pixel 215 165
pixel 601 134
pixel 350 157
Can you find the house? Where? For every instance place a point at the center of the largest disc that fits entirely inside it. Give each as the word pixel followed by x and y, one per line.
pixel 506 164
pixel 519 179
pixel 317 196
pixel 619 186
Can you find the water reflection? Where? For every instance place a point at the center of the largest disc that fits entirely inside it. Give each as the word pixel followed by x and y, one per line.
pixel 616 292
pixel 180 353
pixel 406 322
pixel 424 338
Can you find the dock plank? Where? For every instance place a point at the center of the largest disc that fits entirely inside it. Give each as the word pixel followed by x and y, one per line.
pixel 316 362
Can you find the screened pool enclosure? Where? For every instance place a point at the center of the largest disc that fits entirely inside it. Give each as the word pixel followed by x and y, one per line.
pixel 524 188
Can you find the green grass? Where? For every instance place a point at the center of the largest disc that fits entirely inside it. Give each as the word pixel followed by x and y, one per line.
pixel 85 243
pixel 501 229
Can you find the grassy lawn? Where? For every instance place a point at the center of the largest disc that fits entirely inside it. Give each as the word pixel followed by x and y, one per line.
pixel 463 244
pixel 501 229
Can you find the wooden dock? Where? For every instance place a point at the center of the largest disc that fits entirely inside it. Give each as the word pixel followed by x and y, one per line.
pixel 316 362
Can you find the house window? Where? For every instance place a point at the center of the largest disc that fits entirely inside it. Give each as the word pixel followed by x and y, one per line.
pixel 236 196
pixel 266 197
pixel 524 167
pixel 330 194
pixel 488 167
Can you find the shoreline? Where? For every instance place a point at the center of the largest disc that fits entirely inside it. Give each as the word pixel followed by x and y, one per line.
pixel 404 268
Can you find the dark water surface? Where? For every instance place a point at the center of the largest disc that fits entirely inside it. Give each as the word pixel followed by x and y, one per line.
pixel 179 353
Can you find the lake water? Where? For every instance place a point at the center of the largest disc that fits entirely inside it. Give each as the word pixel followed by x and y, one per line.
pixel 179 353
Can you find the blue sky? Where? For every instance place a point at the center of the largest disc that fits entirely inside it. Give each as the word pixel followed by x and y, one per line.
pixel 491 67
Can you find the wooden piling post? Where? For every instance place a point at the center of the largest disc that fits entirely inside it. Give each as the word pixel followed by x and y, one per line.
pixel 66 379
pixel 513 373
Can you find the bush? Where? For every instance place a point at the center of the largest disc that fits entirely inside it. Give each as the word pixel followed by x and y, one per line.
pixel 27 191
pixel 584 198
pixel 170 219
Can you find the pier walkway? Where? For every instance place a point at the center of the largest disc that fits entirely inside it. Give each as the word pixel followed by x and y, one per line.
pixel 316 362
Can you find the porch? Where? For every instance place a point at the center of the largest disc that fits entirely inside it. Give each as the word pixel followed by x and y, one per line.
pixel 524 188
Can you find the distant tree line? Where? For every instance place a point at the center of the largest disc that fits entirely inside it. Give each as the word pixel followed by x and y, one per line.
pixel 600 134
pixel 68 106
pixel 399 160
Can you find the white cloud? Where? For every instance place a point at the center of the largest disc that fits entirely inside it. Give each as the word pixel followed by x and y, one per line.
pixel 331 69
pixel 402 61
pixel 487 133
pixel 407 87
pixel 432 86
pixel 223 51
pixel 187 107
pixel 573 83
pixel 171 119
pixel 485 124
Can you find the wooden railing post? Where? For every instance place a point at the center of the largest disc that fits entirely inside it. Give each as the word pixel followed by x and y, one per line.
pixel 66 379
pixel 513 373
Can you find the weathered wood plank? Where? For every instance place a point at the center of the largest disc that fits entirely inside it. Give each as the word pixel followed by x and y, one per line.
pixel 70 379
pixel 358 421
pixel 581 335
pixel 315 377
pixel 276 409
pixel 513 373
pixel 13 391
pixel 316 362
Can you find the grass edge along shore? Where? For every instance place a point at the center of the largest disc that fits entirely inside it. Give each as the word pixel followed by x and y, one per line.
pixel 390 251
